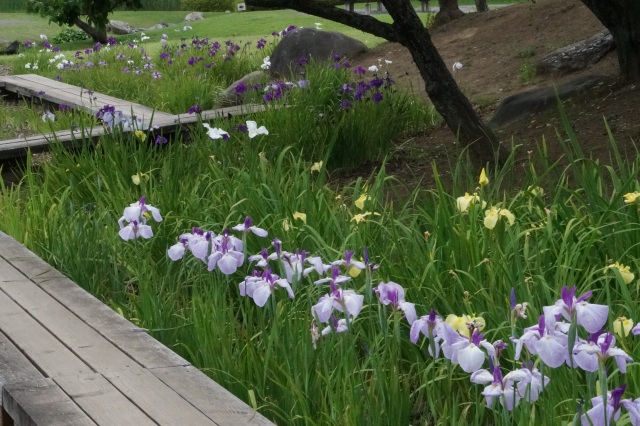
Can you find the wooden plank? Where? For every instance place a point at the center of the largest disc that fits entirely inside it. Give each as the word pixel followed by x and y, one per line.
pixel 212 399
pixel 102 402
pixel 15 366
pixel 87 344
pixel 9 273
pixel 10 248
pixel 34 268
pixel 58 92
pixel 42 402
pixel 50 356
pixel 163 404
pixel 136 343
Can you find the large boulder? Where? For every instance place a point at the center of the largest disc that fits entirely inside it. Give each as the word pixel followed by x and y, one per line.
pixel 9 47
pixel 159 26
pixel 230 97
pixel 522 105
pixel 194 16
pixel 121 28
pixel 311 43
pixel 577 56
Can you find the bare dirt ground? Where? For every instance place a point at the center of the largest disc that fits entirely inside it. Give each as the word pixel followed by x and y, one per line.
pixel 494 47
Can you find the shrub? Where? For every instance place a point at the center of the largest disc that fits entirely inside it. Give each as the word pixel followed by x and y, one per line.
pixel 209 5
pixel 68 35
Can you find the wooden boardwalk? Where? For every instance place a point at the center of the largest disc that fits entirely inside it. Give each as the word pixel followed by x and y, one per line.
pixel 68 359
pixel 55 92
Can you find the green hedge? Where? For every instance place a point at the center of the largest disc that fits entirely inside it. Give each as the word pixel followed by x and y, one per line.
pixel 21 5
pixel 209 5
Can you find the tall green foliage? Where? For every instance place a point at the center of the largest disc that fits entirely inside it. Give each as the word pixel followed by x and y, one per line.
pixel 209 5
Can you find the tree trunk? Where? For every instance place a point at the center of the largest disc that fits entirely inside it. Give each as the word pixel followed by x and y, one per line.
pixel 481 6
pixel 97 34
pixel 441 87
pixel 449 11
pixel 621 17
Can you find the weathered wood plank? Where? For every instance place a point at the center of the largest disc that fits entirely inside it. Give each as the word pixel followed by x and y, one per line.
pixel 33 85
pixel 102 402
pixel 9 273
pixel 45 351
pixel 12 248
pixel 85 342
pixel 136 343
pixel 212 399
pixel 163 404
pixel 18 147
pixel 14 366
pixel 42 402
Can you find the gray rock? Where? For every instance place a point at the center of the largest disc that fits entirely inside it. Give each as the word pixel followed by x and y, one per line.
pixel 311 43
pixel 229 96
pixel 577 56
pixel 9 47
pixel 121 28
pixel 194 16
pixel 522 105
pixel 159 26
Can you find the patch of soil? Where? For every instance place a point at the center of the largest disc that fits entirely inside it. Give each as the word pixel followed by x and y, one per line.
pixel 497 49
pixel 4 70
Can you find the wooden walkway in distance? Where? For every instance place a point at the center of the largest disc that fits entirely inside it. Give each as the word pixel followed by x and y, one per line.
pixel 55 92
pixel 68 359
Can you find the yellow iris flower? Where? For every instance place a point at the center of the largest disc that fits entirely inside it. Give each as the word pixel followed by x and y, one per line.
pixel 631 197
pixel 491 217
pixel 625 272
pixel 460 323
pixel 622 325
pixel 484 180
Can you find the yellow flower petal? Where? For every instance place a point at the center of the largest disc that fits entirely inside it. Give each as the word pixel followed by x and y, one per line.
pixel 286 225
pixel 622 325
pixel 354 272
pixel 625 272
pixel 136 179
pixel 141 135
pixel 360 201
pixel 510 217
pixel 316 166
pixel 631 197
pixel 491 217
pixel 301 216
pixel 484 180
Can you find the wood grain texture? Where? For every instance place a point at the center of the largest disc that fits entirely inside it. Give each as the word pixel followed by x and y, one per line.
pixel 137 344
pixel 86 343
pixel 162 403
pixel 211 398
pixel 42 402
pixel 42 348
pixel 102 402
pixel 14 366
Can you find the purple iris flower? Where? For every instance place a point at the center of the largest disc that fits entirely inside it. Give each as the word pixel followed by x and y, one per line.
pixel 431 326
pixel 64 107
pixel 465 351
pixel 240 88
pixel 595 351
pixel 503 388
pixel 359 70
pixel 247 227
pixel 97 47
pixel 261 43
pixel 302 61
pixel 111 41
pixel 549 344
pixel 576 310
pixel 46 45
pixel 376 97
pixel 161 140
pixel 376 82
pixel 604 414
pixel 28 43
pixel 55 49
pixel 195 109
pixel 393 294
pixel 240 128
pixel 345 104
pixel 225 255
pixel 261 287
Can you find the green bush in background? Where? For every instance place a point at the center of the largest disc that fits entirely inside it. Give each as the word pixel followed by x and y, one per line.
pixel 209 5
pixel 68 35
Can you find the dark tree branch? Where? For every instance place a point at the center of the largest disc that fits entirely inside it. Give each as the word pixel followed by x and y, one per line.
pixel 368 24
